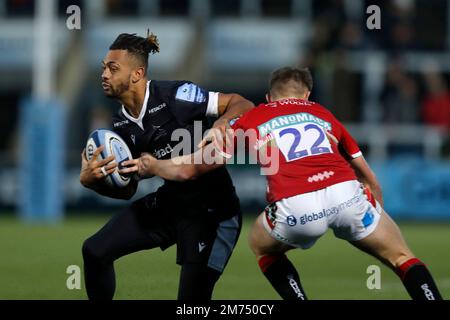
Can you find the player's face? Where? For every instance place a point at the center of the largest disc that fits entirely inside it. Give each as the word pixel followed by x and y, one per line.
pixel 116 74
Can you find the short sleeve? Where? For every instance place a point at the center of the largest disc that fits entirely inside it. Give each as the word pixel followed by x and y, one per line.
pixel 348 144
pixel 191 102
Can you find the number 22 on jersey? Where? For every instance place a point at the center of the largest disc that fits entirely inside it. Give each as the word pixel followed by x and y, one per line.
pixel 302 140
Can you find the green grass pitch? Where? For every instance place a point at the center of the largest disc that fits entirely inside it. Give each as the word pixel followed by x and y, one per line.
pixel 34 260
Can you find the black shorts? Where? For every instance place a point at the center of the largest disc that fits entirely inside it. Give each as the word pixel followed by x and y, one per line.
pixel 200 234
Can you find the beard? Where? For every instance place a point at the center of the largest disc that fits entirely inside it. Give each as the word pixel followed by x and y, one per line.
pixel 117 91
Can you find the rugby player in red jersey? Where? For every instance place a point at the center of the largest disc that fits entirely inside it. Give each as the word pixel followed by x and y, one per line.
pixel 322 181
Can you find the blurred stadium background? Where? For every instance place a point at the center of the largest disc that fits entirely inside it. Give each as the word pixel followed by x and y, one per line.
pixel 389 86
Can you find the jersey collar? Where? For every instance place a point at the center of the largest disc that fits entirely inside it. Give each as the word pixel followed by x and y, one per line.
pixel 139 120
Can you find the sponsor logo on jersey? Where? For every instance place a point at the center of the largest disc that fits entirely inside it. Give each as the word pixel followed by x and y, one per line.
pixel 321 176
pixel 289 120
pixel 201 246
pixel 133 138
pixel 191 93
pixel 121 123
pixel 156 109
pixel 163 151
pixel 291 220
pixel 297 102
pixel 368 218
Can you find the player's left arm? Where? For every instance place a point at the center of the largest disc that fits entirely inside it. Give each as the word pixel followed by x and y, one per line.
pixel 228 107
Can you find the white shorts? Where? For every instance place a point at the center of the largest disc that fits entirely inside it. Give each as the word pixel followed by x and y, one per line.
pixel 348 208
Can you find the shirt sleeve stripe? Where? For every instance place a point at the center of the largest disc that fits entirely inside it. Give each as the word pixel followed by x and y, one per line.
pixel 213 104
pixel 357 155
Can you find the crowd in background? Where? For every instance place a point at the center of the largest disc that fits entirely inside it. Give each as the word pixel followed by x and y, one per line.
pixel 420 96
pixel 407 97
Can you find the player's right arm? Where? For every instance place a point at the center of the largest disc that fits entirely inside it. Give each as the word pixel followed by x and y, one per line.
pixel 91 176
pixel 367 177
pixel 212 155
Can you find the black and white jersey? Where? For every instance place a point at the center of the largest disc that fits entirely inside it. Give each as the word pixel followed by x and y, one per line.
pixel 168 106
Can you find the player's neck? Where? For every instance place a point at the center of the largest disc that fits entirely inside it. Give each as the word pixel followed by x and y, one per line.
pixel 133 99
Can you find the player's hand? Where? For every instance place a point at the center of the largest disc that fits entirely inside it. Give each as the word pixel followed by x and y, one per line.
pixel 221 134
pixel 141 166
pixel 95 170
pixel 372 194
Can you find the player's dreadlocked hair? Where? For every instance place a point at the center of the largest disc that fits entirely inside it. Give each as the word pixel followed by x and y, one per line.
pixel 137 46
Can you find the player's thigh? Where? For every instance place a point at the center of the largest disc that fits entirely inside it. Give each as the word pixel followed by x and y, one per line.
pixel 386 242
pixel 294 221
pixel 351 214
pixel 261 242
pixel 203 240
pixel 137 227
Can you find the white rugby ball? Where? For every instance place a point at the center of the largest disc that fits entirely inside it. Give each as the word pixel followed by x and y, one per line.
pixel 113 145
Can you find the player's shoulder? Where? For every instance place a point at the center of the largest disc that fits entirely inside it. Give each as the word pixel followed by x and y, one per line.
pixel 317 105
pixel 322 109
pixel 181 90
pixel 251 116
pixel 167 86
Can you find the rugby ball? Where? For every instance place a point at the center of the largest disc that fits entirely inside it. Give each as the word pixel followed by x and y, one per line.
pixel 113 145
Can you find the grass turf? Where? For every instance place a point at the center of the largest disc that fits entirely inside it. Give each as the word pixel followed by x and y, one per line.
pixel 34 260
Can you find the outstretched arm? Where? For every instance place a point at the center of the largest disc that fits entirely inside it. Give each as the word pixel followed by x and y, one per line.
pixel 230 106
pixel 207 158
pixel 181 168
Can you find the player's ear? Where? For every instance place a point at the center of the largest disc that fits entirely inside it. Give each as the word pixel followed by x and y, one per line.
pixel 307 94
pixel 137 74
pixel 268 99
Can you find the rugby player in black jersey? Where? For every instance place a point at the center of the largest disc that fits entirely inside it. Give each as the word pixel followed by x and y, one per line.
pixel 201 217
